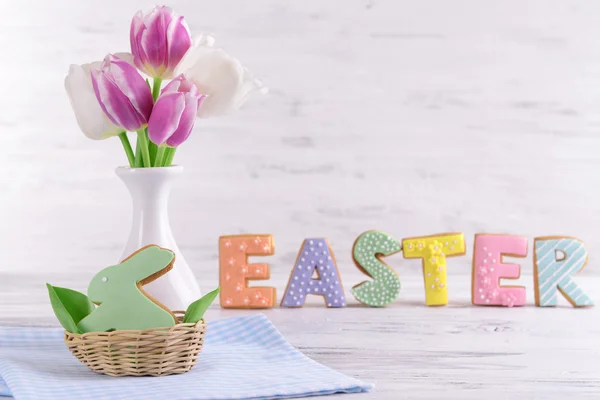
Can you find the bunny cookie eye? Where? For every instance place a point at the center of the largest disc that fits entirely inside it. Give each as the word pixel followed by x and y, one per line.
pixel 104 279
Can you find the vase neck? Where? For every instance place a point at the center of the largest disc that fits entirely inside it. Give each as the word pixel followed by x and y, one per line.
pixel 149 186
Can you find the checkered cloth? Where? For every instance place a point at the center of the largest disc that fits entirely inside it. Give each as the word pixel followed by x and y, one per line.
pixel 243 357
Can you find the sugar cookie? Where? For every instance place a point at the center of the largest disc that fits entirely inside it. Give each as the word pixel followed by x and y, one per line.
pixel 552 273
pixel 488 269
pixel 315 258
pixel 433 250
pixel 117 290
pixel 234 271
pixel 367 251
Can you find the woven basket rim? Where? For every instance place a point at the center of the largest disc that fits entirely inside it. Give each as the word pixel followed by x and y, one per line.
pixel 178 314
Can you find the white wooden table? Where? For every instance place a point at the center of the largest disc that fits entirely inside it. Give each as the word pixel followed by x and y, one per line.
pixel 411 351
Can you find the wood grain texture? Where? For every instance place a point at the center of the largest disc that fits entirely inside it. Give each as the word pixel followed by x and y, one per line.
pixel 409 117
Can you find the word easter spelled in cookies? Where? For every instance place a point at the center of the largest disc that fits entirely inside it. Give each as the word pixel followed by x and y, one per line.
pixel 315 272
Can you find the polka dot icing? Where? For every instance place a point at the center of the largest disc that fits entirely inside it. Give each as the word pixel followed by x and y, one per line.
pixel 556 259
pixel 385 286
pixel 315 258
pixel 234 271
pixel 434 250
pixel 488 269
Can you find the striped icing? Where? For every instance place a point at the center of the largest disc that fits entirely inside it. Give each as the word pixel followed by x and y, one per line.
pixel 553 274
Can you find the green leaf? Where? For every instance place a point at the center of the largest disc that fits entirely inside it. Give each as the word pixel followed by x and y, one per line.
pixel 196 310
pixel 69 306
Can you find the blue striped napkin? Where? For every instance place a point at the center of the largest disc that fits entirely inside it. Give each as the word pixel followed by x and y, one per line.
pixel 243 357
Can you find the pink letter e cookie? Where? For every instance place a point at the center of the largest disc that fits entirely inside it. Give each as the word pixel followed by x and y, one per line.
pixel 488 269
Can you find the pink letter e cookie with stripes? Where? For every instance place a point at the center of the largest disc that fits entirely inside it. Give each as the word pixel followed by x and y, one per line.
pixel 555 260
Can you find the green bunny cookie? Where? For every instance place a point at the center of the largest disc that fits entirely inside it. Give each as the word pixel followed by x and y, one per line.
pixel 122 304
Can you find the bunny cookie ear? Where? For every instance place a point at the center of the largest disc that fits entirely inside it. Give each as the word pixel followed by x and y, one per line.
pixel 149 263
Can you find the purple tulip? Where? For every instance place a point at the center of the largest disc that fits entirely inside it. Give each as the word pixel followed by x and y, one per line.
pixel 122 93
pixel 159 40
pixel 174 113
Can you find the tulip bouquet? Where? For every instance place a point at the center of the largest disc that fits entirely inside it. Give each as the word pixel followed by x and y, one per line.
pixel 125 91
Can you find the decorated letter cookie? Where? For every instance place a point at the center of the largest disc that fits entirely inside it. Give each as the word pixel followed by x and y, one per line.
pixel 235 271
pixel 367 252
pixel 488 269
pixel 434 250
pixel 555 260
pixel 117 290
pixel 315 258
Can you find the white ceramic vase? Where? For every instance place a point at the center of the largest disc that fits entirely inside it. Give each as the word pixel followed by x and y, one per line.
pixel 150 189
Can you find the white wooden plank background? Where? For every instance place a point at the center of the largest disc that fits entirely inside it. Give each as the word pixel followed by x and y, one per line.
pixel 409 117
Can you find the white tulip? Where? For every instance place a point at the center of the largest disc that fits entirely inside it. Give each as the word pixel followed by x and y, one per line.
pixel 92 121
pixel 221 77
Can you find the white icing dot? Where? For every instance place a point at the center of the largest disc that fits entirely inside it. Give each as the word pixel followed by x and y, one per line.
pixel 483 296
pixel 320 244
pixel 104 279
pixel 310 242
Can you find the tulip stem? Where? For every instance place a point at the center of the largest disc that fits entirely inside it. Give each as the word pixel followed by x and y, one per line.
pixel 143 145
pixel 138 154
pixel 169 156
pixel 156 83
pixel 128 149
pixel 152 147
pixel 158 161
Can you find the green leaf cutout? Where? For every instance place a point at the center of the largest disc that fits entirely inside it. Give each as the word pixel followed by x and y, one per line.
pixel 196 310
pixel 69 306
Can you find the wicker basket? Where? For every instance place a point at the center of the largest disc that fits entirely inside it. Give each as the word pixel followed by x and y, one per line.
pixel 154 352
